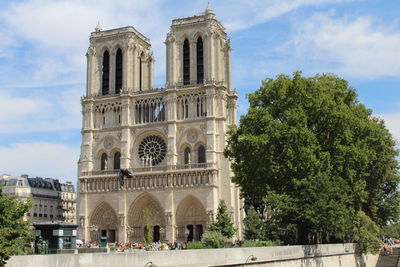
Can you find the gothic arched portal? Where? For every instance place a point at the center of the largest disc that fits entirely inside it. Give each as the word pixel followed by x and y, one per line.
pixel 103 222
pixel 145 210
pixel 190 215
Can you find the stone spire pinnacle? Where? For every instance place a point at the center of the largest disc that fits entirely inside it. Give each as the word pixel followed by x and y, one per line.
pixel 209 13
pixel 209 9
pixel 98 27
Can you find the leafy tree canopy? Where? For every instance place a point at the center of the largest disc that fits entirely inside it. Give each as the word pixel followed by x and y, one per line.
pixel 315 157
pixel 14 231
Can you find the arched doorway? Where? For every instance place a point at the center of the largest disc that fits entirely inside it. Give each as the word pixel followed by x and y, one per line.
pixel 146 213
pixel 191 219
pixel 103 223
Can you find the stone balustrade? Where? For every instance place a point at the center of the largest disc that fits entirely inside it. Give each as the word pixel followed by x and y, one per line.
pixel 147 181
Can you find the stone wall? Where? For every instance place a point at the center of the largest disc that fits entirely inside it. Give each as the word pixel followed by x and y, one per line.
pixel 335 255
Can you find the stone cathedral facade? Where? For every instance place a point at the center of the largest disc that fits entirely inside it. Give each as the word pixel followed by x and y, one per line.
pixel 171 139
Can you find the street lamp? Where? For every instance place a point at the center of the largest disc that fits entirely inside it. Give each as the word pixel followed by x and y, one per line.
pixel 251 258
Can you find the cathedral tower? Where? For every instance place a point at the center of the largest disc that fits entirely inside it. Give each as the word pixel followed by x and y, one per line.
pixel 171 139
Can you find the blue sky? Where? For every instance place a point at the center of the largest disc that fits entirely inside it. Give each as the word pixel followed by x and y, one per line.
pixel 43 65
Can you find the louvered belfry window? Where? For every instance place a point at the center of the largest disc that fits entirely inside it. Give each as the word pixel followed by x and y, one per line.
pixel 106 74
pixel 186 62
pixel 118 71
pixel 200 60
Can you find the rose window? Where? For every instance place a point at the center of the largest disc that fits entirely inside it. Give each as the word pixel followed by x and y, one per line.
pixel 152 150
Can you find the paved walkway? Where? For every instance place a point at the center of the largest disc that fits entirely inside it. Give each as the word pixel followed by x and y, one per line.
pixel 389 260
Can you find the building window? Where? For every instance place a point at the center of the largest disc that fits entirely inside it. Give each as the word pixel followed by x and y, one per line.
pixel 141 60
pixel 201 154
pixel 106 74
pixel 117 161
pixel 104 164
pixel 152 150
pixel 186 156
pixel 35 214
pixel 186 62
pixel 200 61
pixel 118 71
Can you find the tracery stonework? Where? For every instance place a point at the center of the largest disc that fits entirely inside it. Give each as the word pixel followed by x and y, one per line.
pixel 170 138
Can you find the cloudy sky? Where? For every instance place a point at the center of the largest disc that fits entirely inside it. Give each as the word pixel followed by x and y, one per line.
pixel 43 65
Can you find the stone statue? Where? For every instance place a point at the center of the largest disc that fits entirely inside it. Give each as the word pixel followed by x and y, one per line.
pixel 105 164
pixel 82 222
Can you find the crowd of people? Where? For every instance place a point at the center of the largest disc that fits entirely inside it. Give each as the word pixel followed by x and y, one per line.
pixel 130 246
pixel 388 246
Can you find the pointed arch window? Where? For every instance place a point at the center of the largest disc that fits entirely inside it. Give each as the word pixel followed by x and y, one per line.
pixel 118 71
pixel 200 60
pixel 186 62
pixel 141 71
pixel 186 156
pixel 201 156
pixel 104 163
pixel 117 161
pixel 106 73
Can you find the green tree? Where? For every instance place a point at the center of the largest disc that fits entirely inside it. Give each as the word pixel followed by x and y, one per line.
pixel 14 231
pixel 315 157
pixel 254 225
pixel 223 223
pixel 148 235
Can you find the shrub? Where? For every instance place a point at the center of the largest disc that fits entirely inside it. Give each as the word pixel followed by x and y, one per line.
pixel 254 243
pixel 195 245
pixel 214 239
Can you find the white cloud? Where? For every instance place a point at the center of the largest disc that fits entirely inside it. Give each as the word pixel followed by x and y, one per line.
pixel 40 159
pixel 392 122
pixel 243 14
pixel 355 47
pixel 41 111
pixel 15 109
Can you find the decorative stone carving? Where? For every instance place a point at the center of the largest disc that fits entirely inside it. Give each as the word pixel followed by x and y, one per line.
pixel 96 137
pixel 131 44
pixel 210 216
pixel 192 136
pixel 82 222
pixel 121 220
pixel 108 143
pixel 168 218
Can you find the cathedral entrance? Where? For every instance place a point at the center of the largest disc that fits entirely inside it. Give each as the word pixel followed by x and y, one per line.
pixel 156 233
pixel 146 210
pixel 190 219
pixel 103 222
pixel 110 234
pixel 195 232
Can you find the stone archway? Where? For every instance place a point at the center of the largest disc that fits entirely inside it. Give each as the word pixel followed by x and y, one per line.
pixel 103 222
pixel 146 209
pixel 191 219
